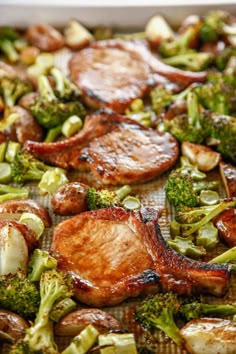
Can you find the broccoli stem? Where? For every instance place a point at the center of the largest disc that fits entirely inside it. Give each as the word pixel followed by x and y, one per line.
pixel 123 192
pixel 8 49
pixel 193 110
pixel 53 133
pixel 226 257
pixel 167 324
pixel 217 209
pixel 59 80
pixel 45 89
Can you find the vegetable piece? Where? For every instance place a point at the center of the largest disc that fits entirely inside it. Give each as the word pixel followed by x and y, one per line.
pixel 12 150
pixel 131 203
pixel 7 122
pixel 19 294
pixel 117 343
pixel 13 249
pixel 29 54
pixel 40 262
pixel 188 127
pixel 34 222
pixel 83 342
pixel 207 236
pixel 12 326
pixel 226 257
pixel 54 286
pixel 76 35
pixel 71 126
pixel 191 61
pixel 45 37
pixel 209 335
pixel 52 134
pixel 102 32
pixel 186 246
pixel 13 89
pixel 62 308
pixel 160 98
pixel 208 197
pixel 7 38
pixel 221 129
pixel 157 312
pixel 3 147
pixel 9 192
pixel 45 61
pixel 26 167
pixel 197 309
pixel 49 110
pixel 5 172
pixel 52 180
pixel 64 89
pixel 216 24
pixel 97 199
pixel 202 214
pixel 202 156
pixel 157 30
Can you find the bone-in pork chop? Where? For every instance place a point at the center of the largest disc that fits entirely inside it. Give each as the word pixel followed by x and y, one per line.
pixel 113 254
pixel 114 72
pixel 116 149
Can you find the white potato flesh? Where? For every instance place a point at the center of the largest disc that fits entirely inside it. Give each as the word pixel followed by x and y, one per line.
pixel 158 29
pixel 202 156
pixel 209 336
pixel 76 35
pixel 13 250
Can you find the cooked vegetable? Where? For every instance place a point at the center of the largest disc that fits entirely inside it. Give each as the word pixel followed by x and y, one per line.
pixel 208 197
pixel 76 35
pixel 83 341
pixel 52 180
pixel 226 257
pixel 116 343
pixel 12 89
pixel 64 89
pixel 9 192
pixel 34 222
pixel 40 261
pixel 186 246
pixel 19 294
pixel 12 150
pixel 97 199
pixel 54 286
pixel 62 308
pixel 160 98
pixel 5 172
pixel 131 203
pixel 29 54
pixel 207 236
pixel 49 110
pixel 157 30
pixel 215 24
pixel 52 134
pixel 12 326
pixel 26 167
pixel 191 61
pixel 7 38
pixel 157 312
pixel 71 126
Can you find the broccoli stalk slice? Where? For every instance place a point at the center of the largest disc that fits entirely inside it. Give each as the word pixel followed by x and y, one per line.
pixel 157 312
pixel 9 193
pixel 198 309
pixel 45 89
pixel 185 246
pixel 189 229
pixel 194 116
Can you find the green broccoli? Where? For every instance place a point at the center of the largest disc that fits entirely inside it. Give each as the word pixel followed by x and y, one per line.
pixel 188 127
pixel 104 198
pixel 39 338
pixel 186 246
pixel 7 38
pixel 214 25
pixel 26 167
pixel 157 312
pixel 221 132
pixel 191 61
pixel 40 261
pixel 12 89
pixel 64 89
pixel 181 44
pixel 10 192
pixel 189 221
pixel 160 98
pixel 51 111
pixel 19 294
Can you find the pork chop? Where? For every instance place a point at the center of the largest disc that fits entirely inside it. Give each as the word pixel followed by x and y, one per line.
pixel 112 73
pixel 115 148
pixel 113 254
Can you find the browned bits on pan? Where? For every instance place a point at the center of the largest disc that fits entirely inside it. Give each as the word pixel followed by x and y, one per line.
pixel 45 37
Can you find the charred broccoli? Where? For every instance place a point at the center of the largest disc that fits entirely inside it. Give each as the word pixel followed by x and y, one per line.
pixel 19 294
pixel 104 198
pixel 12 89
pixel 160 98
pixel 39 338
pixel 65 90
pixel 157 312
pixel 7 38
pixel 51 111
pixel 191 61
pixel 215 24
pixel 26 167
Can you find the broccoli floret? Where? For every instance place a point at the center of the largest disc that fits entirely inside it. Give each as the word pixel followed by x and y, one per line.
pixel 40 261
pixel 51 111
pixel 157 312
pixel 26 167
pixel 160 98
pixel 7 38
pixel 191 61
pixel 104 198
pixel 181 44
pixel 197 309
pixel 191 220
pixel 221 130
pixel 213 25
pixel 188 127
pixel 19 294
pixel 54 286
pixel 12 89
pixel 64 89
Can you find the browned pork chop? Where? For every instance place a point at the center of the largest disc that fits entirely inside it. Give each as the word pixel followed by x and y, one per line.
pixel 117 149
pixel 114 72
pixel 113 254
